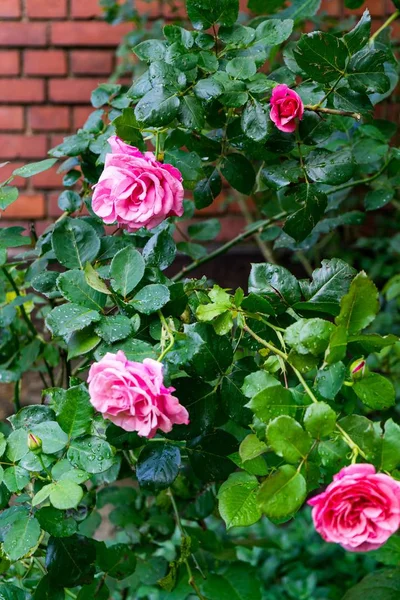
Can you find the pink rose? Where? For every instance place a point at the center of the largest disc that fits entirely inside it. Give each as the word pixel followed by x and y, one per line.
pixel 133 396
pixel 359 510
pixel 286 107
pixel 135 190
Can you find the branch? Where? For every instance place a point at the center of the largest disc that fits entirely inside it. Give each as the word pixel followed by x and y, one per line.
pixel 333 111
pixel 390 20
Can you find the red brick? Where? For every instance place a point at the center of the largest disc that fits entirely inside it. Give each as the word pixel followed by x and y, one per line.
pixel 10 9
pixel 79 116
pixel 23 34
pixel 28 206
pixel 48 179
pixel 88 33
pixel 332 7
pixel 45 62
pixel 376 8
pixel 21 91
pixel 71 91
pixel 9 62
pixel 11 118
pixel 86 9
pixel 6 171
pixel 49 118
pixel 46 9
pixel 52 204
pixel 176 10
pixel 55 140
pixel 149 8
pixel 92 62
pixel 22 146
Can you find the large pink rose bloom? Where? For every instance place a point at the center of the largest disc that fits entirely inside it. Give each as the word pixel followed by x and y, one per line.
pixel 286 107
pixel 359 510
pixel 135 190
pixel 133 396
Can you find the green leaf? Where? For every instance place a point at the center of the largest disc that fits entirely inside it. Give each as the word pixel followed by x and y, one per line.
pixel 381 585
pixel 151 298
pixel 361 430
pixel 282 493
pixel 11 237
pixel 66 494
pixel 208 89
pixel 34 168
pixel 8 195
pixel 75 243
pixel 329 380
pixel 160 250
pixel 188 163
pixel 207 189
pixel 378 198
pixel 209 456
pixel 237 35
pixel 313 204
pixel 113 328
pixel 103 94
pixel 65 319
pixel 309 336
pixel 46 590
pixel 237 500
pixel 322 56
pixel 118 560
pixel 158 107
pixel 372 342
pixel 239 172
pixel 69 561
pixel 390 453
pixel 375 391
pixel 319 419
pixel 272 401
pixel 192 113
pixel 276 283
pixel 94 281
pixel 92 454
pixel 288 439
pixel 238 582
pixel 347 99
pixel 330 167
pixel 254 120
pixel 366 73
pixel 127 128
pixel 127 270
pixel 329 284
pixel 251 447
pixel 359 306
pixel 301 9
pixel 241 68
pixel 16 478
pixel 74 288
pixel 74 411
pixel 213 353
pixel 158 466
pixel 358 37
pixel 204 230
pixel 150 50
pixel 21 533
pixel 56 522
pixel 273 31
pixel 81 342
pixel 53 437
pixel 205 13
pixel 17 445
pixel 69 201
pixel 12 592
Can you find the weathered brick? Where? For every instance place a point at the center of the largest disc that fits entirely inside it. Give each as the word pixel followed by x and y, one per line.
pixel 46 9
pixel 28 206
pixel 79 116
pixel 49 118
pixel 22 146
pixel 45 62
pixel 10 9
pixel 71 91
pixel 332 7
pixel 11 118
pixel 23 34
pixel 91 62
pixel 88 33
pixel 49 179
pixel 9 62
pixel 21 91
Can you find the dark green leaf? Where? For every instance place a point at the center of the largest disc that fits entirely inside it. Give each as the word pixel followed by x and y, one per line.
pixel 158 466
pixel 322 56
pixel 205 13
pixel 70 561
pixel 282 494
pixel 127 270
pixel 239 172
pixel 75 242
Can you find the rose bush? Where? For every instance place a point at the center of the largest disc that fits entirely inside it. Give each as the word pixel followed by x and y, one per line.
pixel 188 420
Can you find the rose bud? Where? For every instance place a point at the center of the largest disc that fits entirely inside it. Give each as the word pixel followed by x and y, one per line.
pixel 358 369
pixel 34 443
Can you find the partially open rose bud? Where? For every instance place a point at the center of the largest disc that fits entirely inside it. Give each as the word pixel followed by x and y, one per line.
pixel 34 443
pixel 358 369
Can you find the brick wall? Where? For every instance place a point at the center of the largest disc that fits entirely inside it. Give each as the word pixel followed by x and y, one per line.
pixel 53 53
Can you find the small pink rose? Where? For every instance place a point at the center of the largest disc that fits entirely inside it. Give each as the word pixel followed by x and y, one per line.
pixel 286 107
pixel 359 510
pixel 133 396
pixel 135 190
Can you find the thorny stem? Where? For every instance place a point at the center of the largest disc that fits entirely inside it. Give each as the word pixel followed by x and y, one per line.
pixel 333 111
pixel 330 92
pixel 390 20
pixel 257 228
pixel 192 580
